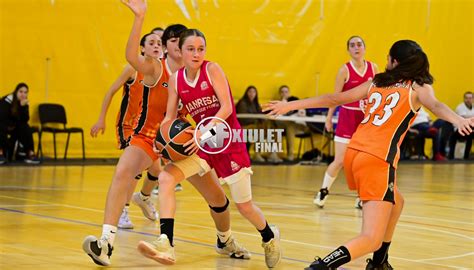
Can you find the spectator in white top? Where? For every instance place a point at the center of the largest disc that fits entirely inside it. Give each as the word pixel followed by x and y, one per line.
pixel 423 129
pixel 465 110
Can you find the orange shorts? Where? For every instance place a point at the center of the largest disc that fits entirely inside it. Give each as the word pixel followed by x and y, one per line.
pixel 123 135
pixel 145 143
pixel 372 177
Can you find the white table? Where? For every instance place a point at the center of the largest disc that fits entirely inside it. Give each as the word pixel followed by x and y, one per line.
pixel 314 118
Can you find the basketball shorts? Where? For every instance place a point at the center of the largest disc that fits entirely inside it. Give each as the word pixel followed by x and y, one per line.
pixel 231 168
pixel 145 143
pixel 372 177
pixel 347 123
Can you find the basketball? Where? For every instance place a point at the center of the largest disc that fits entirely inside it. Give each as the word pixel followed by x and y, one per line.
pixel 171 138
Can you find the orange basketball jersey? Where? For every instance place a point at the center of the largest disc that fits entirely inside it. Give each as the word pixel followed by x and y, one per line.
pixel 153 105
pixel 388 117
pixel 129 109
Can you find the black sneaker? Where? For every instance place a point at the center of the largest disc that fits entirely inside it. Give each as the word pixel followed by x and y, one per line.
pixel 318 264
pixel 33 159
pixel 98 249
pixel 372 266
pixel 321 197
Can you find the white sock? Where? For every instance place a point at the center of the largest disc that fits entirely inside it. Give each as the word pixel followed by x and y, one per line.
pixel 224 236
pixel 126 207
pixel 143 197
pixel 328 180
pixel 108 233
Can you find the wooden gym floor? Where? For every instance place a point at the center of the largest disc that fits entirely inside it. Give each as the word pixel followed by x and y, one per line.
pixel 46 211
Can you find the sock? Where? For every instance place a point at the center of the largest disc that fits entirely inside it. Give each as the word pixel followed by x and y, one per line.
pixel 224 236
pixel 328 181
pixel 167 227
pixel 108 233
pixel 143 196
pixel 381 255
pixel 337 258
pixel 267 233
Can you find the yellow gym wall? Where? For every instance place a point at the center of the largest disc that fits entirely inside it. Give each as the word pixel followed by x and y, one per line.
pixel 267 43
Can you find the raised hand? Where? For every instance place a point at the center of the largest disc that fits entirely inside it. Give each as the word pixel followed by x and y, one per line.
pixel 275 107
pixel 138 7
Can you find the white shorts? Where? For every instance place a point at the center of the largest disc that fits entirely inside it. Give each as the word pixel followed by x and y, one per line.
pixel 239 183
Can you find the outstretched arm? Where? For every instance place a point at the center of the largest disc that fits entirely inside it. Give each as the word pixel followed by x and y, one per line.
pixel 99 126
pixel 138 62
pixel 328 100
pixel 425 96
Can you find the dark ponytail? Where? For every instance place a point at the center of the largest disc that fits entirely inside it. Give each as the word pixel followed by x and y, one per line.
pixel 413 65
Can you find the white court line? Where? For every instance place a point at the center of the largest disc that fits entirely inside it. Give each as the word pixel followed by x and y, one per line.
pixel 26 205
pixel 436 230
pixel 448 257
pixel 422 261
pixel 35 188
pixel 439 219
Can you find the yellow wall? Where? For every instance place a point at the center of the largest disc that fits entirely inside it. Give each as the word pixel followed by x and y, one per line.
pixel 281 41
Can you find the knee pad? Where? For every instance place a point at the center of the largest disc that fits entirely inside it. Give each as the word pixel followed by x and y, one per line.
pixel 151 177
pixel 220 209
pixel 240 186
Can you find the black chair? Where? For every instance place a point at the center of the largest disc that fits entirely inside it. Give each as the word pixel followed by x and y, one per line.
pixel 56 114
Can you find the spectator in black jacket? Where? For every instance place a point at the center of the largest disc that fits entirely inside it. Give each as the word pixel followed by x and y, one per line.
pixel 14 116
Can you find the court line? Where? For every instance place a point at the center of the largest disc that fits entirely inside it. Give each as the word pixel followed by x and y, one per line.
pixel 26 205
pixel 131 232
pixel 439 219
pixel 448 257
pixel 422 261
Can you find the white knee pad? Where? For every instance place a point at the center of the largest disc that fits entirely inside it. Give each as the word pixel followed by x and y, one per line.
pixel 240 185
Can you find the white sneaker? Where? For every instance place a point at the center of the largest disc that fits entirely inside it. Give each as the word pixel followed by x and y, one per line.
pixel 147 206
pixel 178 187
pixel 358 203
pixel 321 197
pixel 159 250
pixel 98 249
pixel 124 221
pixel 232 248
pixel 272 248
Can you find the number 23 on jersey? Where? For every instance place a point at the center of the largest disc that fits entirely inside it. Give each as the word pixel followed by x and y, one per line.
pixel 379 115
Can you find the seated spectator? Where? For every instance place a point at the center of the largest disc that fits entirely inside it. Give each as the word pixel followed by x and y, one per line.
pixel 422 128
pixel 249 104
pixel 291 128
pixel 14 116
pixel 465 110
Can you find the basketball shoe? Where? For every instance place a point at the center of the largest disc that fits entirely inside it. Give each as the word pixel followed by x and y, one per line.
pixel 272 248
pixel 159 250
pixel 232 248
pixel 98 249
pixel 372 266
pixel 147 206
pixel 321 197
pixel 318 264
pixel 124 221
